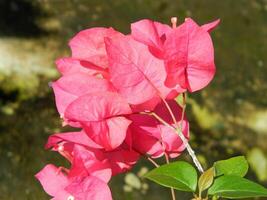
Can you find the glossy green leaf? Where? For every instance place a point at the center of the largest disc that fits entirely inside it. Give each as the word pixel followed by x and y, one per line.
pixel 237 166
pixel 236 187
pixel 178 175
pixel 205 180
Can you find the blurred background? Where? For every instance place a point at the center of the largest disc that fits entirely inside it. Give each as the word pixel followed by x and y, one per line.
pixel 228 118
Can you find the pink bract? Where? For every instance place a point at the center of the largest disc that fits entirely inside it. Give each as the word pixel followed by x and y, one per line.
pixel 61 187
pixel 71 65
pixel 186 50
pixel 89 45
pixel 71 86
pixel 100 116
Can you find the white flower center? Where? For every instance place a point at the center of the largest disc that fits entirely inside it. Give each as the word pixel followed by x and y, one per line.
pixel 61 148
pixel 71 198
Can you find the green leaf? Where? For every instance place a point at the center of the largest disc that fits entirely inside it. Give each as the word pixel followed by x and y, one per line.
pixel 205 180
pixel 236 187
pixel 237 166
pixel 179 175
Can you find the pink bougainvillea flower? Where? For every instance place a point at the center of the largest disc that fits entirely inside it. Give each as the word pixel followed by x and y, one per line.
pixel 120 159
pixel 151 137
pixel 189 56
pixel 187 51
pixel 61 187
pixel 71 86
pixel 138 76
pixel 101 117
pixel 111 88
pixel 89 45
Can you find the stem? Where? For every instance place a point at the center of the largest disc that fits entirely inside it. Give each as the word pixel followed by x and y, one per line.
pixel 188 147
pixel 157 165
pixel 178 129
pixel 172 190
pixel 170 111
pixel 165 154
pixel 153 162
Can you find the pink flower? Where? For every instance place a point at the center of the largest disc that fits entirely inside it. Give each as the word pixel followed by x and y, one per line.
pixel 61 187
pixel 186 50
pixel 109 88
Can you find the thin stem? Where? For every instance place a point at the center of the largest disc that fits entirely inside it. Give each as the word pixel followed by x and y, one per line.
pixel 153 162
pixel 170 111
pixel 172 190
pixel 166 158
pixel 165 154
pixel 183 110
pixel 178 130
pixel 157 165
pixel 188 147
pixel 162 120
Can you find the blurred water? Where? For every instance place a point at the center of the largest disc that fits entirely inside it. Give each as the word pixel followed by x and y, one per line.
pixel 227 118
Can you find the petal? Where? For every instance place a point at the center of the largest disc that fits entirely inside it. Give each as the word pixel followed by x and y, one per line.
pixel 162 29
pixel 117 130
pixel 148 105
pixel 62 195
pixel 75 137
pixel 89 188
pixel 70 65
pixel 97 107
pixel 139 77
pixel 71 86
pixel 151 34
pixel 121 160
pixel 108 133
pixel 52 180
pixel 189 57
pixel 63 98
pixel 85 163
pixel 210 26
pixel 89 45
pixel 146 32
pixel 102 170
pixel 82 83
pixel 146 135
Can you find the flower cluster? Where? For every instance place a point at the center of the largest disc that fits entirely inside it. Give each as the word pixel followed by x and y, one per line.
pixel 114 89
